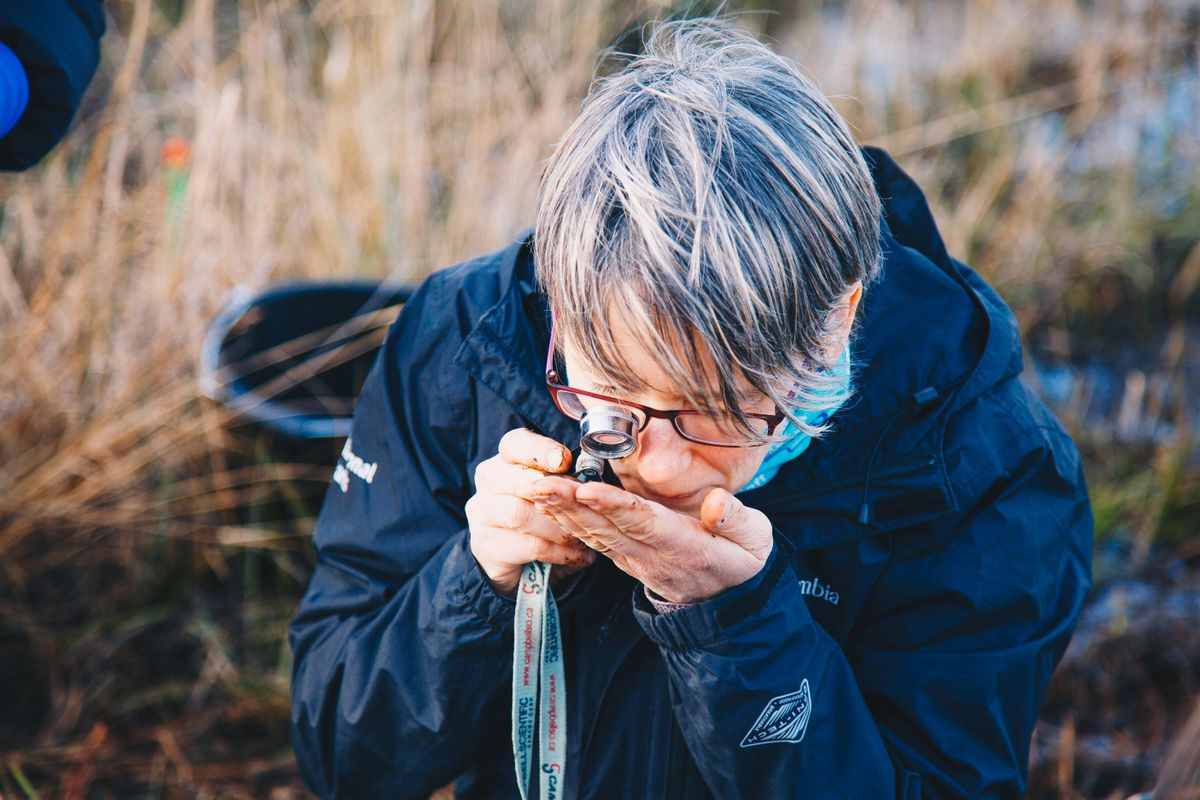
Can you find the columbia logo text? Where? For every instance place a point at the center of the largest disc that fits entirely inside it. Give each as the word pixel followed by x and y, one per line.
pixel 814 588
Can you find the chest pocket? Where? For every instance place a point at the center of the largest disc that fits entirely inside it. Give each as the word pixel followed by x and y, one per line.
pixel 910 494
pixel 906 494
pixel 836 559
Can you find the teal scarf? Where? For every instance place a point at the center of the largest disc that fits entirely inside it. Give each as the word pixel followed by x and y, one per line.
pixel 796 441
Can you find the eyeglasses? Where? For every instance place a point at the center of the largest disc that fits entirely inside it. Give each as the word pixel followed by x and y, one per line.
pixel 718 430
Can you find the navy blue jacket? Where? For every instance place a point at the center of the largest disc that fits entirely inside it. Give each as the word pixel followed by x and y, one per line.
pixel 58 43
pixel 919 643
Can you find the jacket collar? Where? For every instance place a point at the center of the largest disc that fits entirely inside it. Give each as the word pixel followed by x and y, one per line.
pixel 506 349
pixel 931 336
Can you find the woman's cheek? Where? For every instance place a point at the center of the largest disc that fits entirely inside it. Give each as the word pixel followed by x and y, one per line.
pixel 746 467
pixel 728 468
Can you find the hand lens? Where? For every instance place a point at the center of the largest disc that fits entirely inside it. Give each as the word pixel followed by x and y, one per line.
pixel 604 432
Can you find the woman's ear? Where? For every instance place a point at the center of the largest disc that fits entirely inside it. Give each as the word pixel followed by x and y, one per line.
pixel 853 296
pixel 846 310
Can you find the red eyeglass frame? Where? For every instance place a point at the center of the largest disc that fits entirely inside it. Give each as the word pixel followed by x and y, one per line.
pixel 555 388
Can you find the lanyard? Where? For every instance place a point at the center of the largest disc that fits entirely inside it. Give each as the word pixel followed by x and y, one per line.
pixel 538 675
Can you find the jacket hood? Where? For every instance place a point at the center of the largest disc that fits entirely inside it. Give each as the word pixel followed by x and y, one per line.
pixel 931 336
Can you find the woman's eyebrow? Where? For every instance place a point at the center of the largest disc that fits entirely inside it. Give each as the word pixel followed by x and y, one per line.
pixel 616 391
pixel 612 391
pixel 600 387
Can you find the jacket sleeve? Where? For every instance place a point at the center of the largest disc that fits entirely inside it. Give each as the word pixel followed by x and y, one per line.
pixel 400 639
pixel 936 691
pixel 57 43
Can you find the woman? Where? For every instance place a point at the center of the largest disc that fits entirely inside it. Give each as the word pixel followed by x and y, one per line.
pixel 846 569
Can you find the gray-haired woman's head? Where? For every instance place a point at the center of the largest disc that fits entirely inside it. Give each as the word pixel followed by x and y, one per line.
pixel 711 197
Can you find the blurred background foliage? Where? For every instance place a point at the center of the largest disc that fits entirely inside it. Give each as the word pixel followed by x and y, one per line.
pixel 152 550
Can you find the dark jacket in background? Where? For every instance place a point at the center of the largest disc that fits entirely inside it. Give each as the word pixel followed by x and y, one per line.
pixel 921 642
pixel 58 43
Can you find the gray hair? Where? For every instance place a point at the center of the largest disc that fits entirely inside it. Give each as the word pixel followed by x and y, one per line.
pixel 710 195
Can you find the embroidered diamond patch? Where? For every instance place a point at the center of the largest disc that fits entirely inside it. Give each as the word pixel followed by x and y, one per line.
pixel 784 719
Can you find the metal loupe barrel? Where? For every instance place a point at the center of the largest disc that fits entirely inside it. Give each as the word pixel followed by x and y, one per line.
pixel 608 432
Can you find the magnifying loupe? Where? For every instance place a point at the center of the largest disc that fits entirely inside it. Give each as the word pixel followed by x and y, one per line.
pixel 604 432
pixel 608 432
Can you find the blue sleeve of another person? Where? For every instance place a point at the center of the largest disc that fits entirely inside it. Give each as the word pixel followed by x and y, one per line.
pixel 55 49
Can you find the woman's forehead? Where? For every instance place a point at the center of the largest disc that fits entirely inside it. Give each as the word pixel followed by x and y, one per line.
pixel 646 362
pixel 639 360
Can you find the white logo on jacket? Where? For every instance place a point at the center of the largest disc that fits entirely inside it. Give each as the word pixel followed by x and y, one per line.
pixel 814 588
pixel 784 719
pixel 354 465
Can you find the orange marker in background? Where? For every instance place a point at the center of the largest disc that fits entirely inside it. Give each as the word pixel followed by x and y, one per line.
pixel 176 156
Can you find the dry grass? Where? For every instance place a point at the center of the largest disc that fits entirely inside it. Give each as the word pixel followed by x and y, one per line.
pixel 1057 141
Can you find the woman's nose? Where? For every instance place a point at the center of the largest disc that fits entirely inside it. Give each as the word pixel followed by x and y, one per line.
pixel 662 455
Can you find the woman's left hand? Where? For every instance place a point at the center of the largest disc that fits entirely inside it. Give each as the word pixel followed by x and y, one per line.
pixel 679 558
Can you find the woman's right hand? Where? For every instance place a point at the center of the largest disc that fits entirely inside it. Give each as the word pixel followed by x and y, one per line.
pixel 507 531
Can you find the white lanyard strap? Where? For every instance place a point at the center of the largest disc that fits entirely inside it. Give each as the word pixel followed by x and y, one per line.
pixel 538 675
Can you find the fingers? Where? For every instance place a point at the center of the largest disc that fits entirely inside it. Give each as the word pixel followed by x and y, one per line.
pixel 514 548
pixel 592 526
pixel 506 531
pixel 632 515
pixel 726 516
pixel 498 476
pixel 713 511
pixel 523 446
pixel 514 514
pixel 588 527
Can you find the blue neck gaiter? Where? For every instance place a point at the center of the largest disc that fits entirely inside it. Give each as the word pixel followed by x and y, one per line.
pixel 796 441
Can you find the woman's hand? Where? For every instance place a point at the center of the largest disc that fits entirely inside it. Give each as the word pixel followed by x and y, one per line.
pixel 506 530
pixel 681 559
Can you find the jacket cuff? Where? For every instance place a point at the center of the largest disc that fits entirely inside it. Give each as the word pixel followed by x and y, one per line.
pixel 663 606
pixel 703 624
pixel 475 589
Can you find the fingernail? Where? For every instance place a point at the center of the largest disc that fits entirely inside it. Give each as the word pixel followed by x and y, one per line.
pixel 554 459
pixel 589 557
